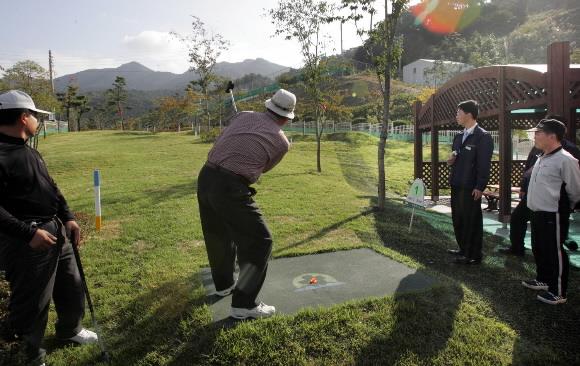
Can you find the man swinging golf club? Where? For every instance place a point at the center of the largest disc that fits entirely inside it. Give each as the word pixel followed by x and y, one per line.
pixel 35 252
pixel 252 144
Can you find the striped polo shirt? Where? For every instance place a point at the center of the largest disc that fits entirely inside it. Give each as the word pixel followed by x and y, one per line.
pixel 252 144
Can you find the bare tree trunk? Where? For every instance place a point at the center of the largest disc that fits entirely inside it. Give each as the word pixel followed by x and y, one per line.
pixel 207 110
pixel 386 115
pixel 320 120
pixel 318 135
pixel 121 115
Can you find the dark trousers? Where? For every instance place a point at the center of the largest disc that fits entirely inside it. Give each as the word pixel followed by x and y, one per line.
pixel 35 277
pixel 519 225
pixel 233 226
pixel 467 222
pixel 552 262
pixel 564 212
pixel 519 219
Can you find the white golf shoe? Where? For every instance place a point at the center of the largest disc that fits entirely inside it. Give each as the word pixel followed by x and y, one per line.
pixel 85 336
pixel 260 311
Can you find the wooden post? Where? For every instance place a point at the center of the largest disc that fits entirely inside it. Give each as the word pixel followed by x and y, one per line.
pixel 558 80
pixel 434 154
pixel 505 153
pixel 572 126
pixel 418 143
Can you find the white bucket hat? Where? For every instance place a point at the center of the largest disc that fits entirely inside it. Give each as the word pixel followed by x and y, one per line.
pixel 16 99
pixel 282 103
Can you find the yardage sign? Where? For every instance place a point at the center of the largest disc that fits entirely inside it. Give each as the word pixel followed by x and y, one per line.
pixel 417 193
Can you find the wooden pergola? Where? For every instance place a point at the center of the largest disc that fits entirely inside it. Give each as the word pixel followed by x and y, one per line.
pixel 536 90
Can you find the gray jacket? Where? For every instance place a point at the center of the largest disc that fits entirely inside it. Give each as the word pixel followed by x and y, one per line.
pixel 550 172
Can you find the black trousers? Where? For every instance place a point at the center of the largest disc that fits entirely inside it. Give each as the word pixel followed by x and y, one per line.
pixel 519 225
pixel 552 262
pixel 519 219
pixel 467 222
pixel 233 226
pixel 35 277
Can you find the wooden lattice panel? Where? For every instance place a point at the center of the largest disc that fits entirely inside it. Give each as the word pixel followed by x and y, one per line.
pixel 426 173
pixel 517 172
pixel 520 93
pixel 425 120
pixel 483 90
pixel 494 174
pixel 489 124
pixel 525 122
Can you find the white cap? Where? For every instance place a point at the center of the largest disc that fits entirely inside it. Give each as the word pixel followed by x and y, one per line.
pixel 16 99
pixel 282 103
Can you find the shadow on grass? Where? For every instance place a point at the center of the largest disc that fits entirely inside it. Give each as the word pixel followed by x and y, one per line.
pixel 427 315
pixel 169 320
pixel 322 232
pixel 497 280
pixel 152 196
pixel 355 171
pixel 548 334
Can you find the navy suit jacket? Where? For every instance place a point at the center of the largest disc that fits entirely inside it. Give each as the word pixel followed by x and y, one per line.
pixel 473 161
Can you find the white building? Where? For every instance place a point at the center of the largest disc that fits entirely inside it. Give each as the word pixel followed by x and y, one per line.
pixel 432 72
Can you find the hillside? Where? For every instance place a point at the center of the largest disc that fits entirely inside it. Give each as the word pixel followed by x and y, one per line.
pixel 139 77
pixel 523 28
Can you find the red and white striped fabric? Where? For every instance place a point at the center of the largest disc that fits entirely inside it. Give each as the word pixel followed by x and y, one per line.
pixel 252 144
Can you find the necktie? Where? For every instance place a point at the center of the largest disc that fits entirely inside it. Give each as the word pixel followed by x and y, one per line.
pixel 465 134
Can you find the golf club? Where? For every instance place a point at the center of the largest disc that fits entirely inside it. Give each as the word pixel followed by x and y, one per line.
pixel 104 353
pixel 230 89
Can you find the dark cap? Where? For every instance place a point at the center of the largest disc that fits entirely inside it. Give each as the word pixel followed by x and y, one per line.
pixel 551 126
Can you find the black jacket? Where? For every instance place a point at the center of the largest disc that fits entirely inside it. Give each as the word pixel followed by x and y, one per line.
pixel 27 192
pixel 473 161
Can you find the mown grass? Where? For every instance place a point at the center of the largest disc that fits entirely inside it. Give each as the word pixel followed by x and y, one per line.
pixel 142 267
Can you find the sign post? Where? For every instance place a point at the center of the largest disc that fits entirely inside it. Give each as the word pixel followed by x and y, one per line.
pixel 416 198
pixel 97 183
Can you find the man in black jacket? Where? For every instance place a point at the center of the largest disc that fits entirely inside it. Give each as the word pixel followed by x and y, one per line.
pixel 521 214
pixel 35 252
pixel 470 165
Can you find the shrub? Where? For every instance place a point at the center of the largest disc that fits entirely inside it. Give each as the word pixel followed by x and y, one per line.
pixel 210 136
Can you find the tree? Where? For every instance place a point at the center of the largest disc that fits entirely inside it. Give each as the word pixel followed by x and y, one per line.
pixel 252 81
pixel 117 97
pixel 32 79
pixel 530 41
pixel 81 104
pixel 172 112
pixel 383 37
pixel 301 20
pixel 67 100
pixel 486 50
pixel 204 50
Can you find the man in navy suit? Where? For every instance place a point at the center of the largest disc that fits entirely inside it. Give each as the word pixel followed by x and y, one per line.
pixel 470 163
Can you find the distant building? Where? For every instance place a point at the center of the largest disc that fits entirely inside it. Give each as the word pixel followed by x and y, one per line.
pixel 432 72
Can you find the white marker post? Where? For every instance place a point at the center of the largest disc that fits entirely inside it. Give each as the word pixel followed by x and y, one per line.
pixel 97 180
pixel 416 198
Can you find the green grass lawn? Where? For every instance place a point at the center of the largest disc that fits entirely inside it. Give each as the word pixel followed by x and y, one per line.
pixel 142 267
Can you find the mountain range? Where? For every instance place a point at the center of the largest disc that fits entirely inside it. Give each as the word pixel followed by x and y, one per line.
pixel 139 77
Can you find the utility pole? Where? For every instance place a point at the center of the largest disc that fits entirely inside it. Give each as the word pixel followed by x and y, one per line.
pixel 341 22
pixel 50 70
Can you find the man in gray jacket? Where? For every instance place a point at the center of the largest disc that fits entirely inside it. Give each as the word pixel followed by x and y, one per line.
pixel 555 173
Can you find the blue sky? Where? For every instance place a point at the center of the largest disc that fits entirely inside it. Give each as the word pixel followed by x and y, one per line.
pixel 107 33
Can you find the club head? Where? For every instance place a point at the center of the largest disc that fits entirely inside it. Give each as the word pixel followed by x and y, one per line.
pixel 230 86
